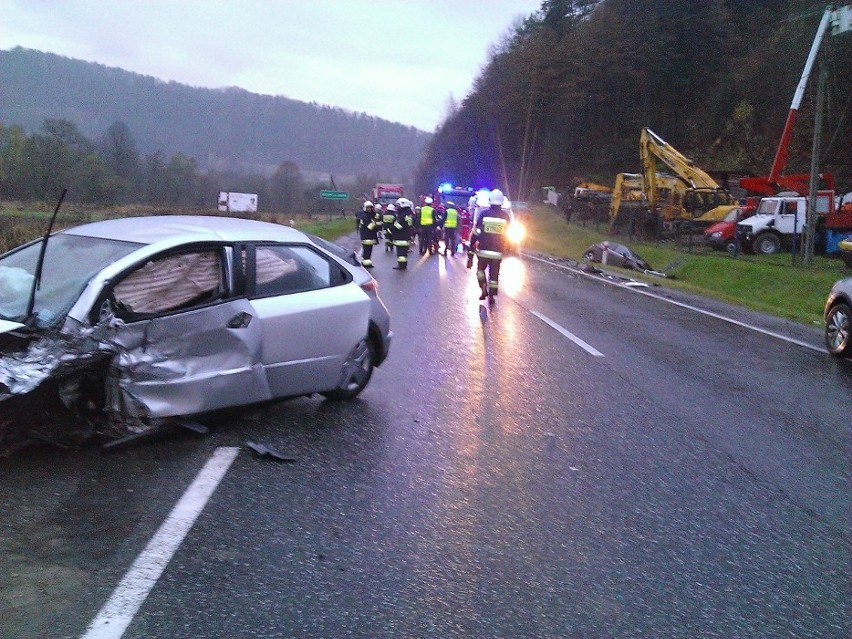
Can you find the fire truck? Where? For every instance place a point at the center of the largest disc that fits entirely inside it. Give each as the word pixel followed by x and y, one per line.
pixel 384 194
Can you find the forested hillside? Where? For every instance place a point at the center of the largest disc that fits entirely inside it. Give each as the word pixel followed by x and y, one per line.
pixel 568 93
pixel 222 129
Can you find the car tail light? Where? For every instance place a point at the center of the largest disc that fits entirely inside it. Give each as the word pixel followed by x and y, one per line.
pixel 370 287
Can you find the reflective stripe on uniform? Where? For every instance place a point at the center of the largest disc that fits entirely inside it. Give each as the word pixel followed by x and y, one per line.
pixel 368 242
pixel 489 255
pixel 401 259
pixel 401 243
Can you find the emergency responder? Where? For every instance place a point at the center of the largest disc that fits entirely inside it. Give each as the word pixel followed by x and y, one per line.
pixel 427 223
pixel 369 221
pixel 404 216
pixel 487 242
pixel 451 224
pixel 388 218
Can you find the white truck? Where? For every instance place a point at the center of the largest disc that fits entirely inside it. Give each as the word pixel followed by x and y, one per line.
pixel 231 202
pixel 779 219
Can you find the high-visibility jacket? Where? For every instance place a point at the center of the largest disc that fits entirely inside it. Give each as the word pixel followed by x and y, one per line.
pixel 426 215
pixel 489 234
pixel 452 220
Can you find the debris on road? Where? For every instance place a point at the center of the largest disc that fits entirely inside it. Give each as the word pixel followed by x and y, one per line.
pixel 264 451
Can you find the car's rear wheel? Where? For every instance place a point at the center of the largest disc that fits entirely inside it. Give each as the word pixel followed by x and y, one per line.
pixel 357 370
pixel 588 256
pixel 838 324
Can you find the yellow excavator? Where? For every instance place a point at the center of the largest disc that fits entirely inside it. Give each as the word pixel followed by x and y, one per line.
pixel 631 195
pixel 704 201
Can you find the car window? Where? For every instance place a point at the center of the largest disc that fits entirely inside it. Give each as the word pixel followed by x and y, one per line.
pixel 171 283
pixel 70 262
pixel 281 270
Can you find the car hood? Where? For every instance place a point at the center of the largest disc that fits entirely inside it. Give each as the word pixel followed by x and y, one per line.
pixel 719 226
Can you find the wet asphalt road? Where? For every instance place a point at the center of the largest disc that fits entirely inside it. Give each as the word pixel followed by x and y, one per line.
pixel 495 479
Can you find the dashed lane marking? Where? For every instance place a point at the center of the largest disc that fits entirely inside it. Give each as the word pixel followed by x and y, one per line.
pixel 585 346
pixel 118 612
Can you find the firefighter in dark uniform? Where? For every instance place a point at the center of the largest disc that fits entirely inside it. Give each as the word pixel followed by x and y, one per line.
pixel 402 232
pixel 488 243
pixel 369 222
pixel 388 218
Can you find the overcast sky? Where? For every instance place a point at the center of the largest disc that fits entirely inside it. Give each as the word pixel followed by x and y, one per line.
pixel 396 59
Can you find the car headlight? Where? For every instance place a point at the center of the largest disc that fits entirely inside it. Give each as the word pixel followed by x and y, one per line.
pixel 516 232
pixel 716 235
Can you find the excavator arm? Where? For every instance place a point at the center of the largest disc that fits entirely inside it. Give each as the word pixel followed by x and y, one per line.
pixel 702 192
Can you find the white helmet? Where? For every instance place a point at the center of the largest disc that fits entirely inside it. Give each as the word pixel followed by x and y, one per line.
pixel 428 200
pixel 367 204
pixel 404 203
pixel 495 198
pixel 391 208
pixel 506 204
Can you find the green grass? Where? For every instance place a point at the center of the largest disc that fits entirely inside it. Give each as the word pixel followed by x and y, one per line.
pixel 764 283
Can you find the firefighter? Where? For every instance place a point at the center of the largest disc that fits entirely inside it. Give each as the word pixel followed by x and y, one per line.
pixel 369 222
pixel 451 224
pixel 427 223
pixel 402 232
pixel 388 218
pixel 487 242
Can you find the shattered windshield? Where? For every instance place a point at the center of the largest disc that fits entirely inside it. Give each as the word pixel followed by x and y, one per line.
pixel 70 262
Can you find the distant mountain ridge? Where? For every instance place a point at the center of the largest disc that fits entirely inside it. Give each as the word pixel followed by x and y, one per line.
pixel 223 129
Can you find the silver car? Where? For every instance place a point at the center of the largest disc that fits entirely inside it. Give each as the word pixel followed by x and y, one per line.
pixel 838 318
pixel 149 318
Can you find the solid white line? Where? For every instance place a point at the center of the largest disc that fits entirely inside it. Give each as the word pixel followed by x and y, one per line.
pixel 128 596
pixel 730 320
pixel 586 347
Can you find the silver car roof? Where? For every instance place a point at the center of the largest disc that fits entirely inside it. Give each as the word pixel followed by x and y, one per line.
pixel 156 228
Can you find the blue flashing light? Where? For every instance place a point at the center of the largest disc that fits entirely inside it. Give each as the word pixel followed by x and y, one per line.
pixel 445 187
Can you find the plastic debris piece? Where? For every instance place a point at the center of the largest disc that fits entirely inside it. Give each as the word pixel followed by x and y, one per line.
pixel 262 450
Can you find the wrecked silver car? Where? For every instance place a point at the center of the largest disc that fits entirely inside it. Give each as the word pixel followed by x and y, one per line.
pixel 134 321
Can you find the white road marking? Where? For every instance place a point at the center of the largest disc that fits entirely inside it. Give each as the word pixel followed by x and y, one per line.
pixel 730 320
pixel 586 347
pixel 128 596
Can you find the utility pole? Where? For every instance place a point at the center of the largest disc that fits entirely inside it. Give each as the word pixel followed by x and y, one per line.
pixel 808 245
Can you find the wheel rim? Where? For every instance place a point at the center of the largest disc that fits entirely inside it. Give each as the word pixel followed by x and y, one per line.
pixel 767 246
pixel 357 367
pixel 837 329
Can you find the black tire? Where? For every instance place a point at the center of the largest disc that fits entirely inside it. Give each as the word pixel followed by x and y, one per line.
pixel 731 247
pixel 766 243
pixel 838 324
pixel 356 373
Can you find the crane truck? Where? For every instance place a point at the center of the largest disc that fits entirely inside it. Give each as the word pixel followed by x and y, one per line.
pixel 783 214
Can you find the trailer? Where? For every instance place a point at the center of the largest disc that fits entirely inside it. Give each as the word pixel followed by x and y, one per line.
pixel 231 202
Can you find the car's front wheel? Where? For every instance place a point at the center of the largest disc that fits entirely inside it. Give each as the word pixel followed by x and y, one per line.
pixel 767 243
pixel 357 370
pixel 838 324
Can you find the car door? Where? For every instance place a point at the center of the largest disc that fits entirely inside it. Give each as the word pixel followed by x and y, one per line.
pixel 186 343
pixel 311 312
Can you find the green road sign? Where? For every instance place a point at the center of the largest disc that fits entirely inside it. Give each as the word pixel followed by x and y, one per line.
pixel 334 195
